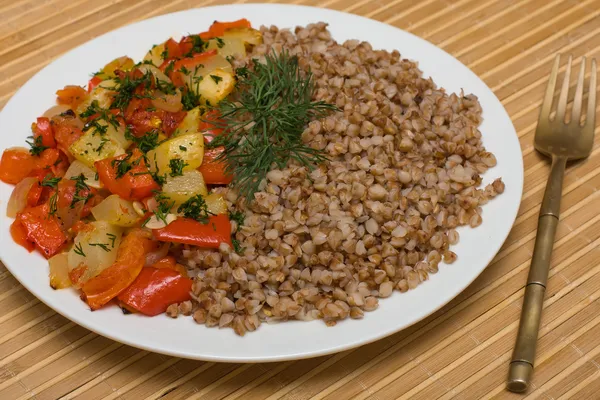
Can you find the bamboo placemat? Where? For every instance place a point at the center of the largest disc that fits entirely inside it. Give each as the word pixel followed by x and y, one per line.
pixel 462 351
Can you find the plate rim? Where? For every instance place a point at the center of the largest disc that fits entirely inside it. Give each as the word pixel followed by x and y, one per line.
pixel 372 338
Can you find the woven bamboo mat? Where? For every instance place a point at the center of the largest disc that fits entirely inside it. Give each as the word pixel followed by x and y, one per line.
pixel 462 351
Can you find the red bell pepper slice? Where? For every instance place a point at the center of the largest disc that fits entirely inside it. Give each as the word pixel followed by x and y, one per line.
pixel 218 28
pixel 190 63
pixel 43 229
pixel 189 231
pixel 93 83
pixel 42 128
pixel 135 184
pixel 156 289
pixel 15 165
pixel 19 235
pixel 107 285
pixel 171 263
pixel 34 194
pixel 209 125
pixel 213 170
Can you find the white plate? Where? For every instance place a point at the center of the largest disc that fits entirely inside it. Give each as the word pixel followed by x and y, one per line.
pixel 293 340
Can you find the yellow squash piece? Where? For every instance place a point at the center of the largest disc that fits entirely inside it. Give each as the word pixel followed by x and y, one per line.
pixel 248 36
pixel 190 123
pixel 93 146
pixel 216 204
pixel 188 148
pixel 181 188
pixel 215 86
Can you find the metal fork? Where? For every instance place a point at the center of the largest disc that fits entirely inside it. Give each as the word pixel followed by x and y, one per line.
pixel 561 142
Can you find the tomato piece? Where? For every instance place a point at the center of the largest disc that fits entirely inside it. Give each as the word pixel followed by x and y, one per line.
pixel 135 184
pixel 189 231
pixel 43 229
pixel 156 289
pixel 15 165
pixel 71 95
pixel 113 280
pixel 141 121
pixel 190 63
pixel 215 171
pixel 19 235
pixel 42 128
pixel 218 28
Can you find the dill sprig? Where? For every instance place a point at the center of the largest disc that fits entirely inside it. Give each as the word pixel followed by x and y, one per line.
pixel 263 126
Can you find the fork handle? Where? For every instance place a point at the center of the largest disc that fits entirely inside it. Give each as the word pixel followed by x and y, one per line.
pixel 521 365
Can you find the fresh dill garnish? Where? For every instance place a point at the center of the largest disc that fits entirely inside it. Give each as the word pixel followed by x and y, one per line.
pixel 36 145
pixel 145 143
pixel 220 42
pixel 101 114
pixel 165 54
pixel 78 249
pixel 216 78
pixel 189 99
pixel 237 247
pixel 126 89
pixel 184 70
pixel 112 239
pixel 53 203
pixel 238 217
pixel 169 68
pixel 50 182
pixel 82 190
pixel 195 208
pixel 103 246
pixel 198 45
pixel 264 123
pixel 124 165
pixel 165 87
pixel 182 148
pixel 176 165
pixel 103 141
pixel 163 206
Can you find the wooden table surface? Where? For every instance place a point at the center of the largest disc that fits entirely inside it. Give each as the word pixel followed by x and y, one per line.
pixel 460 352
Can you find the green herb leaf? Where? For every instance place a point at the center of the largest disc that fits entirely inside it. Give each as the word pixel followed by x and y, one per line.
pixel 82 190
pixel 103 246
pixel 176 165
pixel 195 208
pixel 79 250
pixel 50 182
pixel 216 78
pixel 36 145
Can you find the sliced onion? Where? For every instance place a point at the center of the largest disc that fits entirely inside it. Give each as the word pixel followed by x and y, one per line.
pixel 157 73
pixel 167 102
pixel 68 216
pixel 57 109
pixel 18 198
pixel 77 168
pixel 154 256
